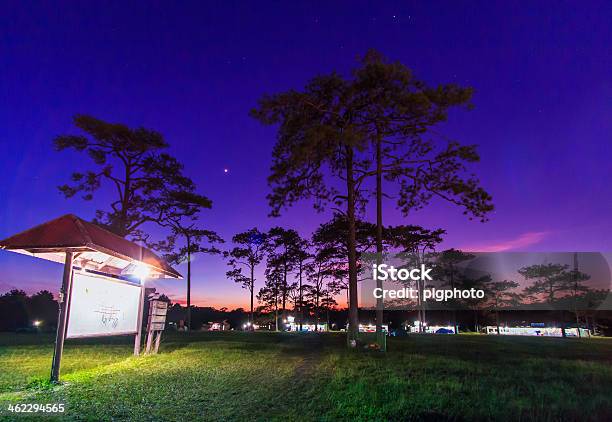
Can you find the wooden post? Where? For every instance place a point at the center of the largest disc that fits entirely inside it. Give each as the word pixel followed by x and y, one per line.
pixel 62 322
pixel 157 340
pixel 149 340
pixel 137 340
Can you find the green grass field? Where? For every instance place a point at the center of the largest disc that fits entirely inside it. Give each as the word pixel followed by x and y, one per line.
pixel 267 376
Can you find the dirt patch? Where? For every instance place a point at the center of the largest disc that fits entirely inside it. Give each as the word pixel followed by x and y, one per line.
pixel 311 351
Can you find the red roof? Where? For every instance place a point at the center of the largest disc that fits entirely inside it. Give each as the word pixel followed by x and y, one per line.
pixel 70 232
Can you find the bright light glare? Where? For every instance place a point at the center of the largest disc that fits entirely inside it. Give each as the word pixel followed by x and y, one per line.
pixel 37 323
pixel 141 271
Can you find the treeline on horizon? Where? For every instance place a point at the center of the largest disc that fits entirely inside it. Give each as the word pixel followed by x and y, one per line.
pixel 19 312
pixel 38 312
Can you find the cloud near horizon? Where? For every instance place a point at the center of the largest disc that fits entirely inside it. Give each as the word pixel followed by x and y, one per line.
pixel 523 240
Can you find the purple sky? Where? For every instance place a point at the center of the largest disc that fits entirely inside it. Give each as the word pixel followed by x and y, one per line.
pixel 542 73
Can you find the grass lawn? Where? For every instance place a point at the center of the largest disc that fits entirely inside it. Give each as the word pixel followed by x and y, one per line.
pixel 264 376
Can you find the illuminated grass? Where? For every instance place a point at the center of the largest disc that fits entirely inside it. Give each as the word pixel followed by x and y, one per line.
pixel 261 376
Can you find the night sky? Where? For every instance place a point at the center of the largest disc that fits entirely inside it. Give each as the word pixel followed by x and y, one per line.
pixel 542 72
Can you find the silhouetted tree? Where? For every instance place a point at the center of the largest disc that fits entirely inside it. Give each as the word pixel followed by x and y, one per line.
pixel 396 111
pixel 248 252
pixel 317 137
pixel 270 295
pixel 286 253
pixel 548 281
pixel 415 245
pixel 179 211
pixel 194 241
pixel 499 294
pixel 295 297
pixel 330 239
pixel 300 257
pixel 315 290
pixel 468 281
pixel 132 161
pixel 13 310
pixel 328 302
pixel 447 271
pixel 323 276
pixel 577 279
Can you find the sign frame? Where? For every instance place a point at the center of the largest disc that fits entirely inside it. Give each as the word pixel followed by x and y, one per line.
pixel 105 279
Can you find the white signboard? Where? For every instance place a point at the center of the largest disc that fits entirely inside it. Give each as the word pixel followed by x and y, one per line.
pixel 102 306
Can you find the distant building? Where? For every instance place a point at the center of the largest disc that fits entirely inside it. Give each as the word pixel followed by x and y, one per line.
pixel 433 329
pixel 291 325
pixel 371 328
pixel 537 331
pixel 216 326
